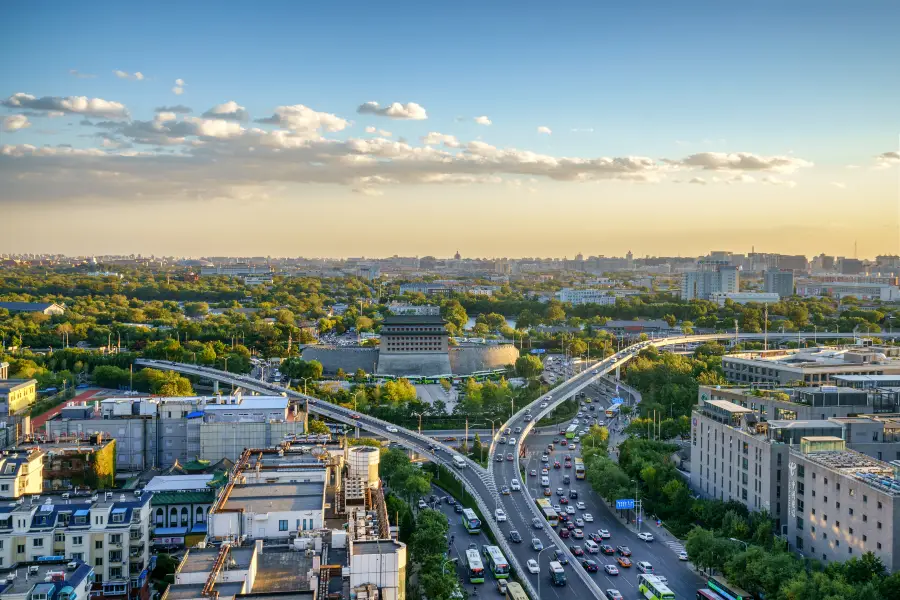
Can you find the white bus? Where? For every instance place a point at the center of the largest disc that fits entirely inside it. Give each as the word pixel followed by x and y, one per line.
pixel 476 568
pixel 459 461
pixel 653 589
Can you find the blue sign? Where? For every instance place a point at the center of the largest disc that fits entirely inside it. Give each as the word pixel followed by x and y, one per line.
pixel 625 504
pixel 538 351
pixel 617 401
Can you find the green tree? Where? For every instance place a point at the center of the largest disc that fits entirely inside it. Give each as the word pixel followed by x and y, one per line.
pixel 318 427
pixel 109 376
pixel 554 312
pixel 196 309
pixel 529 366
pixel 454 313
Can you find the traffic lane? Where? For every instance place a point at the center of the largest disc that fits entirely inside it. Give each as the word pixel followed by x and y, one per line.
pixel 459 542
pixel 682 580
pixel 518 504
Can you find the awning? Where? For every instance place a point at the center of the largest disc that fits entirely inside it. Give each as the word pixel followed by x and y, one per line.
pixel 82 513
pixel 170 531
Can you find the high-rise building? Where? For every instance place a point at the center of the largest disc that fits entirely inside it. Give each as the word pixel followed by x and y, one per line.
pixel 780 282
pixel 711 277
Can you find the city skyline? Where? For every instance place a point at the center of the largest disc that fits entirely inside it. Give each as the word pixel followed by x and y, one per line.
pixel 504 129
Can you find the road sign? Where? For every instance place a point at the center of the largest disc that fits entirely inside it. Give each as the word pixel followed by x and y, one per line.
pixel 617 401
pixel 625 504
pixel 538 351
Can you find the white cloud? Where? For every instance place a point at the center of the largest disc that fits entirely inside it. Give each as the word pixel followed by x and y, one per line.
pixel 15 123
pixel 214 128
pixel 544 129
pixel 179 87
pixel 774 181
pixel 839 184
pixel 743 161
pixel 179 82
pixel 381 132
pixel 743 178
pixel 698 181
pixel 887 159
pixel 81 105
pixel 136 76
pixel 435 139
pixel 583 130
pixel 482 120
pixel 80 75
pixel 302 119
pixel 230 111
pixel 410 110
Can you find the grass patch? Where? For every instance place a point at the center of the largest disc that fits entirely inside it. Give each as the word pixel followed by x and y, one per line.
pixel 564 412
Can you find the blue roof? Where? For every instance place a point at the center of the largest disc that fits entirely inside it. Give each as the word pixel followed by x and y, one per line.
pixel 119 510
pixel 195 415
pixel 82 512
pixel 198 528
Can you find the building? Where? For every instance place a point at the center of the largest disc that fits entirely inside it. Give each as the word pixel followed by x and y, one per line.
pixel 712 276
pixel 70 580
pixel 47 308
pixel 179 508
pixel 841 503
pixel 21 473
pixel 721 298
pixel 255 280
pixel 17 395
pixel 89 463
pixel 577 296
pixel 110 533
pixel 414 344
pixel 650 327
pixel 397 308
pixel 812 366
pixel 380 563
pixel 841 289
pixel 780 281
pixel 235 270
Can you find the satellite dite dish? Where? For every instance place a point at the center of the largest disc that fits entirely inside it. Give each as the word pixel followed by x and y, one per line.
pixel 318 451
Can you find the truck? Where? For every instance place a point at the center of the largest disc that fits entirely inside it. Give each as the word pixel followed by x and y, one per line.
pixel 459 461
pixel 557 573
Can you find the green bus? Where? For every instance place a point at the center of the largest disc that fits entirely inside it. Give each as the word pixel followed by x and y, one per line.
pixel 571 432
pixel 654 589
pixel 475 566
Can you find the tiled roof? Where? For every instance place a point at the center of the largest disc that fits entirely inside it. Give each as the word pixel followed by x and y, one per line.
pixel 162 498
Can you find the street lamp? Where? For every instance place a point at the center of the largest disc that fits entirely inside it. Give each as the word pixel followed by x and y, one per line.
pixel 305 379
pixel 539 566
pixel 418 414
pixel 746 545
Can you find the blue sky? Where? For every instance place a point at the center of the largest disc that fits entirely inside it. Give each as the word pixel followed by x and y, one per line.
pixel 816 80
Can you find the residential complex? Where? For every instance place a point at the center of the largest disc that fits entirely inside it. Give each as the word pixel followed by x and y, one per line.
pixel 842 289
pixel 721 298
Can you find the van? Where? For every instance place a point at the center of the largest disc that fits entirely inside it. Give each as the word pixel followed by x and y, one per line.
pixel 591 546
pixel 645 567
pixel 545 481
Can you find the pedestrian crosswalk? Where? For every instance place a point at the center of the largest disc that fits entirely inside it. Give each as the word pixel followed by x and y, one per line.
pixel 675 545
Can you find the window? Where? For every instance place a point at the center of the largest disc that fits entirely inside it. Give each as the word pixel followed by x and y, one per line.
pixel 98 544
pixel 115 556
pixel 865 499
pixel 879 505
pixel 282 525
pixel 115 538
pixel 115 573
pixel 98 562
pixel 20 548
pixel 850 531
pixel 865 518
pixel 38 542
pixel 879 545
pixel 76 540
pixel 879 524
pixel 799 523
pixel 851 511
pixel 59 537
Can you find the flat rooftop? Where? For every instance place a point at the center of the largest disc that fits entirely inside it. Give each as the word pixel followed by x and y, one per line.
pixel 375 547
pixel 22 584
pixel 281 571
pixel 174 483
pixel 278 497
pixel 728 406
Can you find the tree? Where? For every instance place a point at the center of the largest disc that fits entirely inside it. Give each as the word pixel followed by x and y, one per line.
pixel 529 366
pixel 364 323
pixel 687 328
pixel 454 313
pixel 318 427
pixel 109 376
pixel 285 317
pixel 555 312
pixel 670 320
pixel 477 448
pixel 196 309
pixel 578 347
pixel 392 462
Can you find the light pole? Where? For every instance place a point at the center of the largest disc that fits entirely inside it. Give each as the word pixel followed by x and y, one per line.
pixel 746 545
pixel 305 379
pixel 418 414
pixel 637 518
pixel 539 566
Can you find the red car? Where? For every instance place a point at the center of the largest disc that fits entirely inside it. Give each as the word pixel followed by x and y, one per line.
pixel 564 533
pixel 354 416
pixel 563 518
pixel 563 500
pixel 576 550
pixel 607 549
pixel 568 465
pixel 595 537
pixel 556 465
pixel 565 442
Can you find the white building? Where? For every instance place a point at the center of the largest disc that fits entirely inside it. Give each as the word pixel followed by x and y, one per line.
pixel 398 308
pixel 711 277
pixel 744 297
pixel 840 289
pixel 381 563
pixel 268 510
pixel 576 296
pixel 21 473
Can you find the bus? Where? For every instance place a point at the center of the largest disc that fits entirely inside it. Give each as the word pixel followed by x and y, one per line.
pixel 579 468
pixel 470 521
pixel 727 590
pixel 548 511
pixel 476 568
pixel 514 591
pixel 612 412
pixel 497 562
pixel 571 432
pixel 653 589
pixel 708 595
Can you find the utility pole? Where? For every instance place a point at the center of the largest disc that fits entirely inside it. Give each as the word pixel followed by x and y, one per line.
pixel 766 327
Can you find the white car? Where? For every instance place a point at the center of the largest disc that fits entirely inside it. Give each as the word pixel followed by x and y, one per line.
pixel 543 405
pixel 570 510
pixel 545 458
pixel 604 534
pixel 501 516
pixel 580 505
pixel 647 537
pixel 422 504
pixel 515 485
pixel 533 566
pixel 682 555
pixel 512 441
pixel 588 517
pixel 392 429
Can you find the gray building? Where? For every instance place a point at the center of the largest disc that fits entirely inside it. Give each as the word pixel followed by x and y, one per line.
pixel 711 277
pixel 812 366
pixel 780 282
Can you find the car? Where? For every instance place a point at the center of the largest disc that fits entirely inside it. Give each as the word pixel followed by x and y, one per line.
pixel 500 515
pixel 570 510
pixel 515 485
pixel 589 565
pixel 508 431
pixel 647 537
pixel 559 491
pixel 457 508
pixel 533 472
pixel 566 480
pixel 355 416
pixel 624 561
pixel 623 550
pixel 545 472
pixel 588 517
pixel 509 456
pixel 612 594
pixel 472 546
pixel 422 504
pixel 568 465
pixel 560 557
pixel 611 569
pixel 536 544
pixel 515 537
pixel 545 458
pixel 518 430
pixel 682 555
pixel 503 439
pixel 537 523
pixel 547 492
pixel 543 405
pixel 570 525
pixel 578 534
pixel 580 505
pixel 558 508
pixel 573 445
pixel 563 500
pixel 392 429
pixel 501 586
pixel 450 438
pixel 533 567
pixel 549 396
pixel 662 579
pixel 576 550
pixel 604 533
pixel 594 537
pixel 550 447
pixel 564 442
pixel 607 549
pixel 449 500
pixel 644 567
pixel 563 517
pixel 498 458
pixel 579 522
pixel 556 465
pixel 505 490
pixel 555 440
pixel 573 494
pixel 527 418
pixel 567 457
pixel 564 533
pixel 511 441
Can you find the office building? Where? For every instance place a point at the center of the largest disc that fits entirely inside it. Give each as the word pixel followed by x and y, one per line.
pixel 780 282
pixel 721 298
pixel 576 296
pixel 842 289
pixel 813 366
pixel 711 277
pixel 841 503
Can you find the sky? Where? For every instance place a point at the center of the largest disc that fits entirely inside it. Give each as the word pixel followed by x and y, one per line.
pixel 493 128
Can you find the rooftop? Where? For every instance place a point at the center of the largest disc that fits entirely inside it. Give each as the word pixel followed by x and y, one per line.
pixel 375 547
pixel 727 406
pixel 27 306
pixel 23 583
pixel 174 483
pixel 280 497
pixel 413 320
pixel 815 357
pixel 281 571
pixel 875 473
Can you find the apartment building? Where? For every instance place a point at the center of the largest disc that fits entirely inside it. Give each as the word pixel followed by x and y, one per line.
pixel 711 277
pixel 721 298
pixel 58 580
pixel 16 395
pixel 21 473
pixel 110 533
pixel 812 366
pixel 579 296
pixel 842 503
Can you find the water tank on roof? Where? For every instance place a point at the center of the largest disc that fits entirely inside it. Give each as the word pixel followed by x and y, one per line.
pixel 363 463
